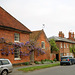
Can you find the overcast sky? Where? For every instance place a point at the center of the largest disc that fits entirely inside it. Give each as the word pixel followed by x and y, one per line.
pixel 57 15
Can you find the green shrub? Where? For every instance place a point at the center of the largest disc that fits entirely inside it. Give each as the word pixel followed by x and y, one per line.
pixel 51 61
pixel 45 59
pixel 48 60
pixel 36 62
pixel 42 61
pixel 55 59
pixel 26 63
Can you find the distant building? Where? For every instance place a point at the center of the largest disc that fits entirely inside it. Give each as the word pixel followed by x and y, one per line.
pixel 63 44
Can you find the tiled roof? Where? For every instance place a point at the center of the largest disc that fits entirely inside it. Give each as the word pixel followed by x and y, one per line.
pixel 6 20
pixel 61 39
pixel 35 34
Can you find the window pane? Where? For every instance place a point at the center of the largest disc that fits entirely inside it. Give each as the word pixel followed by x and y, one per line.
pixel 0 63
pixel 16 53
pixel 16 37
pixel 5 62
pixel 43 44
pixel 61 45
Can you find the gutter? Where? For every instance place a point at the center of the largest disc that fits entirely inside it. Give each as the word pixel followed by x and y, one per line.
pixel 10 28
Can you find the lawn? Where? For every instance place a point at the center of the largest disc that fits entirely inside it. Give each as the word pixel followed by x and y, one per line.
pixel 38 67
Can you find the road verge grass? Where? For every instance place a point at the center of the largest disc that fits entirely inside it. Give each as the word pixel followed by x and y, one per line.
pixel 38 67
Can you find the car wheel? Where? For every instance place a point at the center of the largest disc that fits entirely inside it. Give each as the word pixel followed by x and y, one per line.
pixel 4 72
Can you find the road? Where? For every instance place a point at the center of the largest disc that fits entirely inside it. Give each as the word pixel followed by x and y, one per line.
pixel 59 70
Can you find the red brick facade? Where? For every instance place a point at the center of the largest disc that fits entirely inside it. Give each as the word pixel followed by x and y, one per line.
pixel 42 37
pixel 9 36
pixel 8 27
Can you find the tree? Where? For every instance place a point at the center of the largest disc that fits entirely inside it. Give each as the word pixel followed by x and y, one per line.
pixel 53 45
pixel 72 49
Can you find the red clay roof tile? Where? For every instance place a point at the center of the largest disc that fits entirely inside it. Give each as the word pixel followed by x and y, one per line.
pixel 34 35
pixel 9 21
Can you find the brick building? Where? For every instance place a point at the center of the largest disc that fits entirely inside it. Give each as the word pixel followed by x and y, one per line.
pixel 40 37
pixel 63 44
pixel 13 31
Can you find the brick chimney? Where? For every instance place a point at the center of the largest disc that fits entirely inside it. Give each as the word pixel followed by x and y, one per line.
pixel 61 34
pixel 71 35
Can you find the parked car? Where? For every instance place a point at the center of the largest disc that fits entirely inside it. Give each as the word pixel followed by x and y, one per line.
pixel 67 60
pixel 74 60
pixel 5 66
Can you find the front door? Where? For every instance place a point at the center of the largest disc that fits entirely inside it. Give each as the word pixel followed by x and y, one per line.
pixel 32 57
pixel 57 57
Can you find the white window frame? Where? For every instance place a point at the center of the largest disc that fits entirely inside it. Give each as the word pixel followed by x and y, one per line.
pixel 67 45
pixel 64 45
pixel 16 36
pixel 43 43
pixel 17 53
pixel 61 45
pixel 67 54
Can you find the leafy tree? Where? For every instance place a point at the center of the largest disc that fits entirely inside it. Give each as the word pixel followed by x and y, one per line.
pixel 72 49
pixel 53 45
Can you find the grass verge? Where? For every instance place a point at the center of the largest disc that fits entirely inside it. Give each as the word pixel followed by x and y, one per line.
pixel 38 67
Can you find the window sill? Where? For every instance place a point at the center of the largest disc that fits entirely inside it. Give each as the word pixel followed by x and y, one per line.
pixel 17 58
pixel 17 41
pixel 61 47
pixel 43 48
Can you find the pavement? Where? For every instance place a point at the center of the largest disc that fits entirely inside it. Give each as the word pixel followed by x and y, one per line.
pixel 24 66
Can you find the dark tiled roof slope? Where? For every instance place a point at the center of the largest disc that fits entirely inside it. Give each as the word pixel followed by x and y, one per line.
pixel 61 39
pixel 7 20
pixel 34 35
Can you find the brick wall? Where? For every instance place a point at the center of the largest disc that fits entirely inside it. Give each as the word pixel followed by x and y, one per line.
pixel 9 36
pixel 41 38
pixel 65 50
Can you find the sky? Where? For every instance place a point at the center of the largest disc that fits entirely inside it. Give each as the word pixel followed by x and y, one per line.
pixel 55 15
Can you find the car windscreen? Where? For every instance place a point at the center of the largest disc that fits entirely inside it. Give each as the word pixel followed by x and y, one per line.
pixel 0 63
pixel 64 57
pixel 4 62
